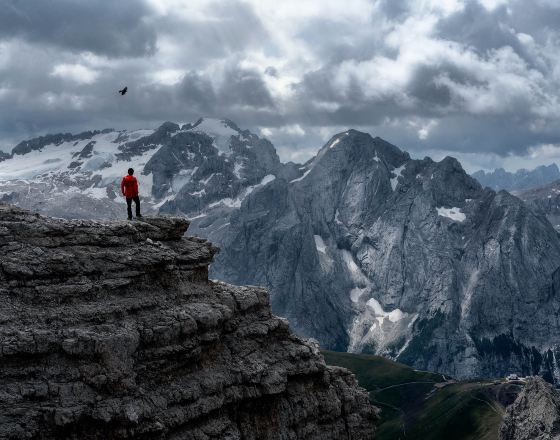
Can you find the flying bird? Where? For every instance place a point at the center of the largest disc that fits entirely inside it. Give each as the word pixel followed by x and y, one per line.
pixel 123 91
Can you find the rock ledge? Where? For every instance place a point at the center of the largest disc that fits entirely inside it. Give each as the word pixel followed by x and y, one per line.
pixel 112 330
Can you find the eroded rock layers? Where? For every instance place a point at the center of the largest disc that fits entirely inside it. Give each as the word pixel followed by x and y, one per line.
pixel 112 330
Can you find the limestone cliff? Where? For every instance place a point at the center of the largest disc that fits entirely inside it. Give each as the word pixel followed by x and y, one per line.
pixel 113 330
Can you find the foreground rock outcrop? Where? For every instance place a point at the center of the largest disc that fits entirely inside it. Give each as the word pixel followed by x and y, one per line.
pixel 535 414
pixel 112 330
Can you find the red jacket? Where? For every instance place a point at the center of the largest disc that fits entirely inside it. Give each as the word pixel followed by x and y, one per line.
pixel 129 186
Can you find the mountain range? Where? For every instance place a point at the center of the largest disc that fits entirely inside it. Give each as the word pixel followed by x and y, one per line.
pixel 362 247
pixel 520 180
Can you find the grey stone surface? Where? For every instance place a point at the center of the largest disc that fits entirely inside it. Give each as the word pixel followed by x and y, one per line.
pixel 111 329
pixel 372 251
pixel 362 248
pixel 544 200
pixel 535 414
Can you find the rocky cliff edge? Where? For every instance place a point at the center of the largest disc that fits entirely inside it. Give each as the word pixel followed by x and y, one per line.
pixel 113 330
pixel 535 414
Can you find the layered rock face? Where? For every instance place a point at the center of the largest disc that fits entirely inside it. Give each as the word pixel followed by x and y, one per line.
pixel 544 200
pixel 362 248
pixel 411 259
pixel 535 414
pixel 112 330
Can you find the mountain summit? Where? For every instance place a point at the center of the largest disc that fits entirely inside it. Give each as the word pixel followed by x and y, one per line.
pixel 362 247
pixel 412 259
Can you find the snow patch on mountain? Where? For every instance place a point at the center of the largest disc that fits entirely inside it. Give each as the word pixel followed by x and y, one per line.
pixel 454 214
pixel 393 316
pixel 237 167
pixel 182 178
pixel 333 144
pixel 219 130
pixel 356 274
pixel 236 202
pixel 320 244
pixel 299 179
pixel 96 193
pixel 398 173
pixel 326 261
pixel 378 329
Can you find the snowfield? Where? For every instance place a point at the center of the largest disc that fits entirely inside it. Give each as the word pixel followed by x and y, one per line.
pixel 454 214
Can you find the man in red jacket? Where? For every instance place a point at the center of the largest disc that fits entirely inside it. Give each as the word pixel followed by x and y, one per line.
pixel 129 188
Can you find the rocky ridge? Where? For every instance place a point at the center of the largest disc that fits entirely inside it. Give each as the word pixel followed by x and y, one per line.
pixel 411 259
pixel 535 414
pixel 520 180
pixel 544 200
pixel 113 330
pixel 362 248
pixel 209 164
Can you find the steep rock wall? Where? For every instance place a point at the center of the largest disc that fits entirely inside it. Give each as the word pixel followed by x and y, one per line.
pixel 112 330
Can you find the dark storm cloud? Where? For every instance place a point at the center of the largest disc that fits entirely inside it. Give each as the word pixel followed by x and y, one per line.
pixel 198 92
pixel 243 87
pixel 335 42
pixel 112 28
pixel 477 27
pixel 459 89
pixel 394 9
pixel 238 88
pixel 230 27
pixel 239 94
pixel 474 79
pixel 485 30
pixel 537 18
pixel 425 87
pixel 470 134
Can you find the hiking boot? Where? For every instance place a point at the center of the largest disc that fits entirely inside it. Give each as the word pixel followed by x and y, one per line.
pixel 139 216
pixel 130 218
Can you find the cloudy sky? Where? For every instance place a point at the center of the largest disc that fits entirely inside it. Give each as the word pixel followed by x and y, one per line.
pixel 477 79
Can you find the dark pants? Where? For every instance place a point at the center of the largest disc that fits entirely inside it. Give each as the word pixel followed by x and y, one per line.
pixel 129 206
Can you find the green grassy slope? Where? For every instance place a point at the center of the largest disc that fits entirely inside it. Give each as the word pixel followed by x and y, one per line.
pixel 423 406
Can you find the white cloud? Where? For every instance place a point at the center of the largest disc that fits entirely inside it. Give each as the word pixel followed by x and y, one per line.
pixel 546 151
pixel 493 4
pixel 75 72
pixel 167 77
pixel 424 132
pixel 488 86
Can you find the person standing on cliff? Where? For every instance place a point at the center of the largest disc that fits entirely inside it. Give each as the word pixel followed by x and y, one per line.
pixel 129 188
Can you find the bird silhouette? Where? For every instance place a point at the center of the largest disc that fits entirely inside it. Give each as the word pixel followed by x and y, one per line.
pixel 123 91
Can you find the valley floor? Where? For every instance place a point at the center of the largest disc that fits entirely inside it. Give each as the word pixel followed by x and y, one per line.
pixel 427 406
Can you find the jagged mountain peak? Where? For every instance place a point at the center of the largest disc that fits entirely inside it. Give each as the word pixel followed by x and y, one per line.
pixel 220 130
pixel 363 247
pixel 358 146
pixel 394 253
pixel 203 162
pixel 520 180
